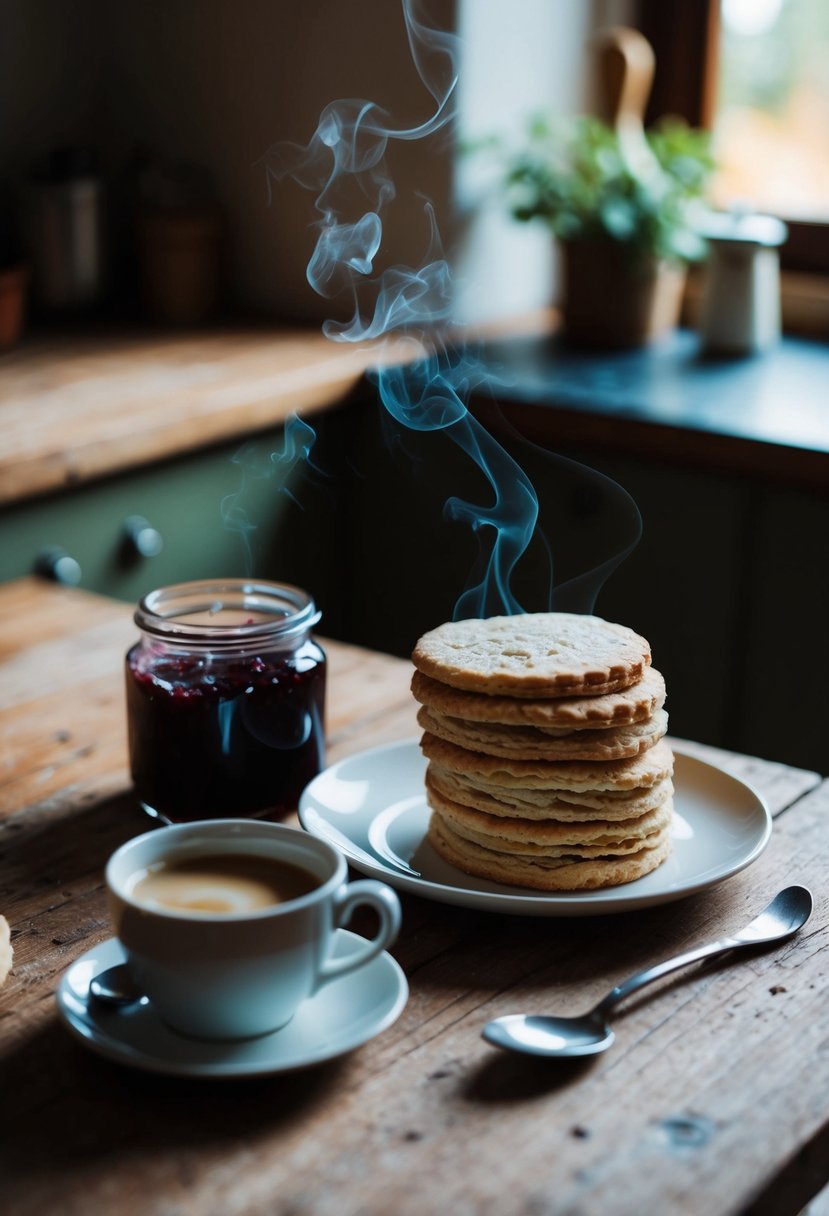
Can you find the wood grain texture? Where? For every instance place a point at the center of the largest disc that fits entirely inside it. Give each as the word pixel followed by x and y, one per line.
pixel 778 784
pixel 712 1100
pixel 81 407
pixel 712 1097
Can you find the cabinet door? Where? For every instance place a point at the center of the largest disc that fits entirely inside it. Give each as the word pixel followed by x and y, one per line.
pixel 684 588
pixel 784 712
pixel 218 515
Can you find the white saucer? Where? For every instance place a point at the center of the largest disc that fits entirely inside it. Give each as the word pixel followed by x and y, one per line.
pixel 344 1014
pixel 372 806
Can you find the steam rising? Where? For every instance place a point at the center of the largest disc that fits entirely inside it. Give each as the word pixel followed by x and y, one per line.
pixel 343 162
pixel 298 441
pixel 346 158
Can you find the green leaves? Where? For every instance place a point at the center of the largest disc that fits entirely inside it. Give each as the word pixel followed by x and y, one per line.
pixel 576 178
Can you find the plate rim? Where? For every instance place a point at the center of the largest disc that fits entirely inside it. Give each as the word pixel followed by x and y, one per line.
pixel 110 1046
pixel 610 900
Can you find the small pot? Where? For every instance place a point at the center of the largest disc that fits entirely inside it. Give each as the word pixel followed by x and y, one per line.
pixel 179 257
pixel 14 283
pixel 616 298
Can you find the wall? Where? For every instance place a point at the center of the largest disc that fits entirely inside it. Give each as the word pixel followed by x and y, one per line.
pixel 48 78
pixel 519 57
pixel 216 83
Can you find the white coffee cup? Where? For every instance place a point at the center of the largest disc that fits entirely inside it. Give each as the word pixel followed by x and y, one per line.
pixel 237 975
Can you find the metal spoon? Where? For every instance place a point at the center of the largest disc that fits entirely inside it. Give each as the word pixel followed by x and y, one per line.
pixel 115 986
pixel 590 1033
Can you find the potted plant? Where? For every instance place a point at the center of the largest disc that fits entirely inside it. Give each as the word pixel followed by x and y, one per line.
pixel 625 205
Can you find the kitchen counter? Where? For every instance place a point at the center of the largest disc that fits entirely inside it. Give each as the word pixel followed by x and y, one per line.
pixel 79 406
pixel 763 415
pixel 105 434
pixel 713 1098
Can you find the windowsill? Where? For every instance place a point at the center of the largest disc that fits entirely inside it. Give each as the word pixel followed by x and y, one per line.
pixel 765 415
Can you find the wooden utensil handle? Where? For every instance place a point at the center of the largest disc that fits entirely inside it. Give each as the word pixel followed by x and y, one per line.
pixel 626 65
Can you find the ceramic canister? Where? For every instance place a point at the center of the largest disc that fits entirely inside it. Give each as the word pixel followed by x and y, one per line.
pixel 740 311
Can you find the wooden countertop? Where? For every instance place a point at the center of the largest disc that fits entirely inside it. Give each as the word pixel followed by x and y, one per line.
pixel 81 406
pixel 713 1098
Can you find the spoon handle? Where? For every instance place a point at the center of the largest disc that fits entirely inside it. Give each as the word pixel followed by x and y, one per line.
pixel 648 976
pixel 787 912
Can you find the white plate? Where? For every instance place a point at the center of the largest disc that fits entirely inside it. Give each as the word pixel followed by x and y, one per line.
pixel 345 1013
pixel 373 807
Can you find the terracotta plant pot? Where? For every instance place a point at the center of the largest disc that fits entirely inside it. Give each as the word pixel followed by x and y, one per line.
pixel 614 298
pixel 14 282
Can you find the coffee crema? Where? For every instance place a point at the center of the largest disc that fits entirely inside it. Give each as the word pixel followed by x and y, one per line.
pixel 221 884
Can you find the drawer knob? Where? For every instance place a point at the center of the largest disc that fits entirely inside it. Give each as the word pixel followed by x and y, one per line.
pixel 55 563
pixel 141 538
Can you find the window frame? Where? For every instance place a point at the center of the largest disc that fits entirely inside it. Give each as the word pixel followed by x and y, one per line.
pixel 685 84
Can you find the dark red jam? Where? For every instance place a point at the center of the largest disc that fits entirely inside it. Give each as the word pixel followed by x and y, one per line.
pixel 224 736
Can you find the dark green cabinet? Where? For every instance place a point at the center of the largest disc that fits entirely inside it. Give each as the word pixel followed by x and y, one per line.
pixel 213 520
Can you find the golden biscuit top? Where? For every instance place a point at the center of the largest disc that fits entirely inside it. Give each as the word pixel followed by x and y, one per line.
pixel 531 655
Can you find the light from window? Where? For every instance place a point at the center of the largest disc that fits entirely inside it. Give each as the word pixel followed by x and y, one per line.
pixel 771 134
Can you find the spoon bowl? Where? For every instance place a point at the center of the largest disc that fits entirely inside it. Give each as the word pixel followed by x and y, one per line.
pixel 544 1036
pixel 115 987
pixel 590 1033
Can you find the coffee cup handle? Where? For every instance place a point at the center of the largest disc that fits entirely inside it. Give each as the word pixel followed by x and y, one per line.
pixel 385 903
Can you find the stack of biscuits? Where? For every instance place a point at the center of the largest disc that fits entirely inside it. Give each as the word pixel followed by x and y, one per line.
pixel 5 949
pixel 544 736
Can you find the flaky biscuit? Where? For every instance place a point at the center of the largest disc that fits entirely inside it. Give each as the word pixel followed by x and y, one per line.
pixel 530 743
pixel 6 952
pixel 544 654
pixel 566 806
pixel 547 837
pixel 542 874
pixel 556 714
pixel 643 770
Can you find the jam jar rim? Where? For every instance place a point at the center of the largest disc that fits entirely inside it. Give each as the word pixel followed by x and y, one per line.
pixel 217 636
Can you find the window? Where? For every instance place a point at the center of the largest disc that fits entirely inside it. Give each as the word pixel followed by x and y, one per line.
pixel 772 112
pixel 756 72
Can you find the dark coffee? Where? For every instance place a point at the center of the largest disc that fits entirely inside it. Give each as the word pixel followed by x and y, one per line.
pixel 221 884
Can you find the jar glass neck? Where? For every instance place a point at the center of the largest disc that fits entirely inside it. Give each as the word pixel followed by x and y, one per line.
pixel 217 651
pixel 234 615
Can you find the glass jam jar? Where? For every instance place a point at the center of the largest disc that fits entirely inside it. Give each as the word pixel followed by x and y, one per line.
pixel 225 700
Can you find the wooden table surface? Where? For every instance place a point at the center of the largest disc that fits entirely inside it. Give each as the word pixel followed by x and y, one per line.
pixel 713 1099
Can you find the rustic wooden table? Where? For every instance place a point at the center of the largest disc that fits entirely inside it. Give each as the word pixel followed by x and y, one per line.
pixel 713 1100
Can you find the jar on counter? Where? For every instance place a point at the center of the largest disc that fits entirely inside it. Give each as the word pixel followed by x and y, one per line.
pixel 65 211
pixel 225 700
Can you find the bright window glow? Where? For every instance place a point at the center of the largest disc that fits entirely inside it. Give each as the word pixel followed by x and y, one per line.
pixel 748 18
pixel 771 136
